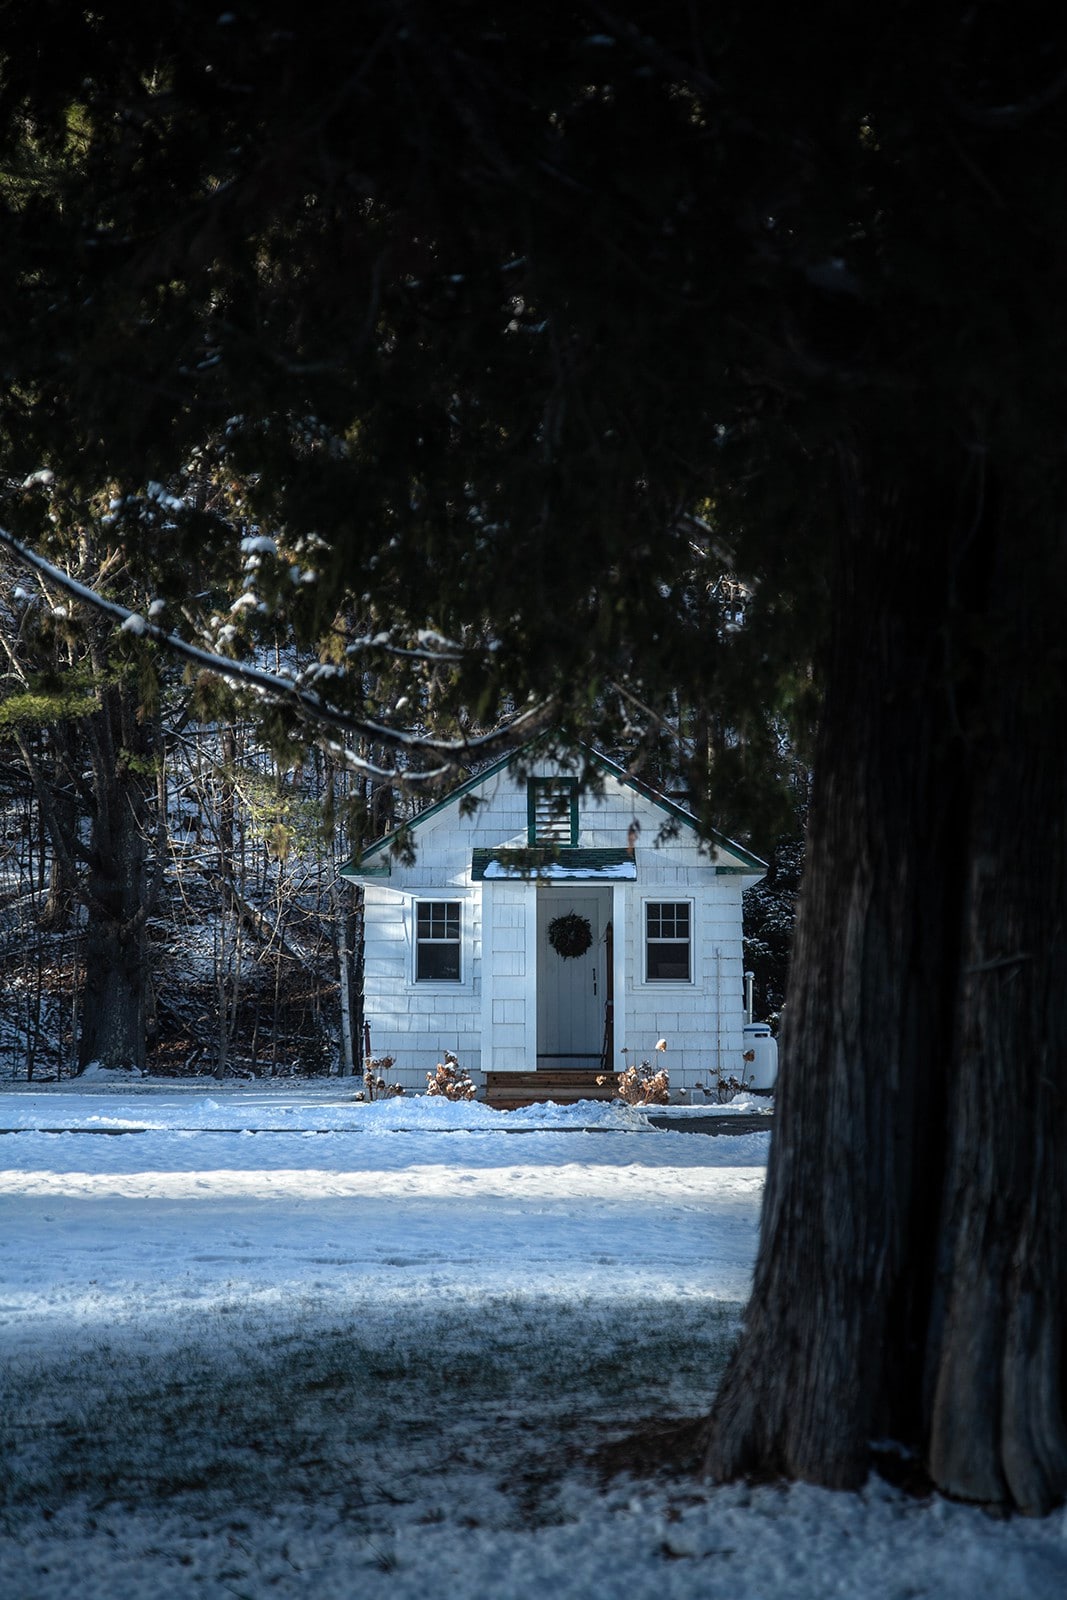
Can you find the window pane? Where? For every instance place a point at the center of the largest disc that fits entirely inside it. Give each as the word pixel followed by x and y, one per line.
pixel 668 919
pixel 668 961
pixel 438 961
pixel 667 944
pixel 438 919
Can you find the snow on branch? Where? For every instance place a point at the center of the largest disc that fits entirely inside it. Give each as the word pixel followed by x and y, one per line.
pixel 311 707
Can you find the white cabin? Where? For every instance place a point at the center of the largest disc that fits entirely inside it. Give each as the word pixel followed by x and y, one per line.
pixel 463 947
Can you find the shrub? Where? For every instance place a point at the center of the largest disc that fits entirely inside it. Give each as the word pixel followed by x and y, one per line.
pixel 375 1085
pixel 642 1086
pixel 449 1079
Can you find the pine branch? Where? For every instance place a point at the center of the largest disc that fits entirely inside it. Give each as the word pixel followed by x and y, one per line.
pixel 316 713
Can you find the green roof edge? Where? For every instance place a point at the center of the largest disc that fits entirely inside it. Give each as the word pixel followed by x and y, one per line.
pixel 647 792
pixel 679 813
pixel 431 811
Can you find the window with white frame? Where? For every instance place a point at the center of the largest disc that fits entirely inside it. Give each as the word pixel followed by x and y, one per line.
pixel 437 941
pixel 668 941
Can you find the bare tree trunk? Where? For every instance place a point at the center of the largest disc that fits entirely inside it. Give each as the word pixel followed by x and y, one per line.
pixel 114 1003
pixel 910 1277
pixel 33 1017
pixel 118 894
pixel 227 975
pixel 344 966
pixel 62 880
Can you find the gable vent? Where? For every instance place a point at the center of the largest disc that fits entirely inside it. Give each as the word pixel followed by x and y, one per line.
pixel 553 811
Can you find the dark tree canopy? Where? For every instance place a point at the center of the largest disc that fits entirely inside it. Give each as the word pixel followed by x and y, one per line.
pixel 439 292
pixel 519 327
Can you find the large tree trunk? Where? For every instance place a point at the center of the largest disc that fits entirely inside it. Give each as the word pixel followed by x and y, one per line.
pixel 996 1344
pixel 117 895
pixel 115 996
pixel 910 1279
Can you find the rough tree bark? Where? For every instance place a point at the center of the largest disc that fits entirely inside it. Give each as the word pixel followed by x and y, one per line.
pixel 996 1348
pixel 107 872
pixel 119 891
pixel 114 1002
pixel 62 879
pixel 910 1278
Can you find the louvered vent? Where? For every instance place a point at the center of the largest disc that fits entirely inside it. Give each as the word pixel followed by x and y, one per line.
pixel 554 811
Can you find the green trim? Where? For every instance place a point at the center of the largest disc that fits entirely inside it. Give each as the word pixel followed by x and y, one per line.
pixel 354 869
pixel 532 786
pixel 530 863
pixel 676 811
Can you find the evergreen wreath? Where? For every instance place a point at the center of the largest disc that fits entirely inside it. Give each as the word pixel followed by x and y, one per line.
pixel 570 936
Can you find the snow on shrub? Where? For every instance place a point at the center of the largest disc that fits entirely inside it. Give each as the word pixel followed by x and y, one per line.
pixel 642 1086
pixel 375 1085
pixel 449 1079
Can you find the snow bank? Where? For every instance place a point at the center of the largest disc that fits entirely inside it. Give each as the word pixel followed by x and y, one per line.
pixel 96 1074
pixel 286 1110
pixel 409 1112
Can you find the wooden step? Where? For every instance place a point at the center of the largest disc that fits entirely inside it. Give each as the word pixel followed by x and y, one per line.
pixel 505 1091
pixel 562 1075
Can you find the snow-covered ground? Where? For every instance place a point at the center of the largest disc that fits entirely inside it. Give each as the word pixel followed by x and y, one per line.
pixel 271 1342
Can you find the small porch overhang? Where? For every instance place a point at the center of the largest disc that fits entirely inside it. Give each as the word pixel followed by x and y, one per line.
pixel 574 865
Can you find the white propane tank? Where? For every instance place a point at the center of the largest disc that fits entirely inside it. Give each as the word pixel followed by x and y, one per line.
pixel 761 1071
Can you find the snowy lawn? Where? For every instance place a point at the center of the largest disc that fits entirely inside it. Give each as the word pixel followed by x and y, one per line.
pixel 370 1350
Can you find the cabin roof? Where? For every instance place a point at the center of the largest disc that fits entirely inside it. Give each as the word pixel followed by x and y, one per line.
pixel 374 861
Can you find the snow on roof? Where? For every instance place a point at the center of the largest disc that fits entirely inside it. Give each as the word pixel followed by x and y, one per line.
pixel 563 871
pixel 568 865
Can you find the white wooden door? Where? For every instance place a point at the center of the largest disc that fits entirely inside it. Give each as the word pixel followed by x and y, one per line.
pixel 570 990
